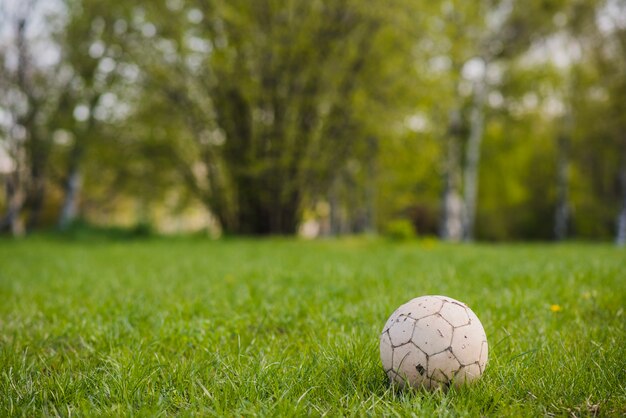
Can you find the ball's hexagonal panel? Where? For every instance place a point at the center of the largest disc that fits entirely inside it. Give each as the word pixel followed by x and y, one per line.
pixel 432 334
pixel 410 365
pixel 467 374
pixel 401 330
pixel 443 366
pixel 482 360
pixel 475 321
pixel 424 306
pixel 386 351
pixel 455 314
pixel 467 342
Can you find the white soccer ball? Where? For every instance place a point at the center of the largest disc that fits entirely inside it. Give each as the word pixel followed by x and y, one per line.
pixel 432 342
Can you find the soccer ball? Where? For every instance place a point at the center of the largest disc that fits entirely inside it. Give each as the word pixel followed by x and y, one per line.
pixel 432 342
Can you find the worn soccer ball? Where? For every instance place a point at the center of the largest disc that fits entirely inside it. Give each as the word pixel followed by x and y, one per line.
pixel 433 342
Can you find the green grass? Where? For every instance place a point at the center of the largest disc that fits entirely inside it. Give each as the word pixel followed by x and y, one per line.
pixel 284 328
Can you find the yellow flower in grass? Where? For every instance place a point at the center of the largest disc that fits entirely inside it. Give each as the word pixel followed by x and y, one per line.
pixel 556 308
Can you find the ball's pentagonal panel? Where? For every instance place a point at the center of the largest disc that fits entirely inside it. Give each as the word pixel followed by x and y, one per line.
pixel 484 348
pixel 467 342
pixel 432 334
pixel 433 341
pixel 386 351
pixel 467 374
pixel 455 314
pixel 410 365
pixel 402 330
pixel 443 366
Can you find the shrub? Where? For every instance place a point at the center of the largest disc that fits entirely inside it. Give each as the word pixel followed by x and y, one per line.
pixel 400 230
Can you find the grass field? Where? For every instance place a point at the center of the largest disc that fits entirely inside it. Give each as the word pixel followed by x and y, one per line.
pixel 283 328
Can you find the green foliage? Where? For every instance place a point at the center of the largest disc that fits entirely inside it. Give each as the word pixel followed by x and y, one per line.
pixel 400 230
pixel 184 327
pixel 82 231
pixel 259 111
pixel 274 105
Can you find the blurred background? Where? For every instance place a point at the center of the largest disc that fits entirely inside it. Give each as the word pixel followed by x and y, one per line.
pixel 467 120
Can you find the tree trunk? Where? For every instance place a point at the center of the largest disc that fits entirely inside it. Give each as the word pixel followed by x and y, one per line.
pixel 36 195
pixel 335 208
pixel 369 221
pixel 71 188
pixel 34 146
pixel 562 214
pixel 472 159
pixel 11 222
pixel 69 210
pixel 451 228
pixel 262 210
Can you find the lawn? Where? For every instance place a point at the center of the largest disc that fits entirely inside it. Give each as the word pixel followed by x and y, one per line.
pixel 284 327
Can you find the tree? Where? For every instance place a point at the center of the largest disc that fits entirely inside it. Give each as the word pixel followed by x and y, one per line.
pixel 478 37
pixel 91 55
pixel 473 37
pixel 266 92
pixel 31 90
pixel 578 27
pixel 608 49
